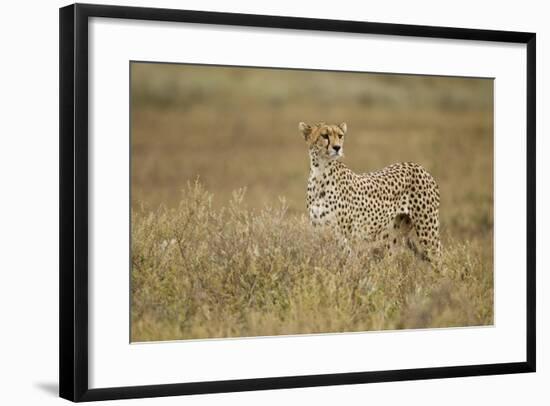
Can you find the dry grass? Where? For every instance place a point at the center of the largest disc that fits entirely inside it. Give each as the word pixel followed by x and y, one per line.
pixel 200 272
pixel 208 265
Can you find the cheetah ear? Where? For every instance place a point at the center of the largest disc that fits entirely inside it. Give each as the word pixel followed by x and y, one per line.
pixel 305 129
pixel 343 126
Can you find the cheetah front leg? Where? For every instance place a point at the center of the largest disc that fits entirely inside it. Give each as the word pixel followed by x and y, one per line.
pixel 344 242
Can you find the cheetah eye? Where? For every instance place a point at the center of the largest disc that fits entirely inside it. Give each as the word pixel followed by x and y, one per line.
pixel 325 136
pixel 340 136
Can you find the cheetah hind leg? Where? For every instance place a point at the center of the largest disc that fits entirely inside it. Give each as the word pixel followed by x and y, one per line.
pixel 394 239
pixel 429 251
pixel 399 235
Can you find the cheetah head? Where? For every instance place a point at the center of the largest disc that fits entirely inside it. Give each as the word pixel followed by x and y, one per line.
pixel 326 139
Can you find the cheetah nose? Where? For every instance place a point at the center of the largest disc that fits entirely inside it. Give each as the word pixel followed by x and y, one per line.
pixel 336 148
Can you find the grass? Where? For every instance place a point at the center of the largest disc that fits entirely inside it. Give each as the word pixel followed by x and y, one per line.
pixel 209 260
pixel 199 272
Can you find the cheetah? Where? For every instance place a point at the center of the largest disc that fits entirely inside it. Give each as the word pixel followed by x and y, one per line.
pixel 392 208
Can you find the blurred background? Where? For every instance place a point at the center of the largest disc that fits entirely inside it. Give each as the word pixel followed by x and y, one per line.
pixel 234 127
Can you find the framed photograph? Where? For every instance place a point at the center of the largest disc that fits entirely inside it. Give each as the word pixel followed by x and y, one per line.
pixel 257 202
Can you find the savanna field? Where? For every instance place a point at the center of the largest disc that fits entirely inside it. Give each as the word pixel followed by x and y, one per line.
pixel 221 242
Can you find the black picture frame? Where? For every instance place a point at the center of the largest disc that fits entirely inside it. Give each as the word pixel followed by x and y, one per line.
pixel 73 254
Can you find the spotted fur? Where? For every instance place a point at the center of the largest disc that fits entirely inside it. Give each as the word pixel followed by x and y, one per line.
pixel 392 208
